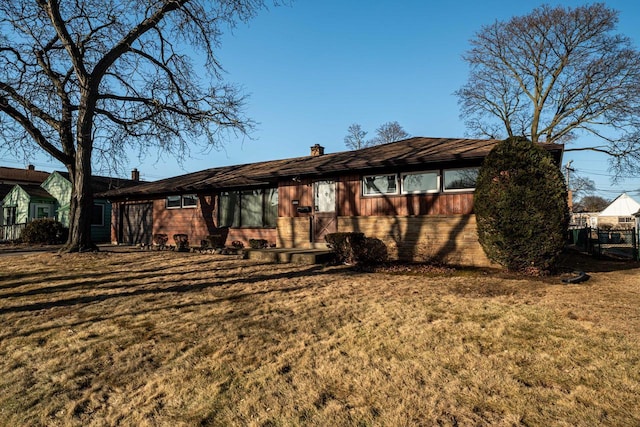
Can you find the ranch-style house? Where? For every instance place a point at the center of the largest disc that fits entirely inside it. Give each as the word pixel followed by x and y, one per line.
pixel 416 195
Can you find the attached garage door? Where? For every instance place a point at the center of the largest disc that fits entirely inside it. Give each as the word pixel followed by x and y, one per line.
pixel 137 223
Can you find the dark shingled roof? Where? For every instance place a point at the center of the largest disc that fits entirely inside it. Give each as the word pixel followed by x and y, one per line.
pixel 410 153
pixel 100 184
pixel 15 175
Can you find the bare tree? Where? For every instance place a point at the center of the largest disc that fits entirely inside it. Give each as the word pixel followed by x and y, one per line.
pixel 388 132
pixel 85 80
pixel 581 185
pixel 553 74
pixel 355 137
pixel 591 204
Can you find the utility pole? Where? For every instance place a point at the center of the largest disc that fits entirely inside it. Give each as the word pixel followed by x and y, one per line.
pixel 568 169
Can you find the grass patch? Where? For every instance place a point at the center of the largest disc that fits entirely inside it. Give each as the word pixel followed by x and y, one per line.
pixel 188 339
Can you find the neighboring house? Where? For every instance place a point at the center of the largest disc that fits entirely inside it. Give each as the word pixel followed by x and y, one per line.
pixel 52 198
pixel 9 177
pixel 584 219
pixel 619 213
pixel 416 195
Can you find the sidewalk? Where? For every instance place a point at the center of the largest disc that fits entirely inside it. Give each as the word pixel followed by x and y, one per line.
pixel 7 249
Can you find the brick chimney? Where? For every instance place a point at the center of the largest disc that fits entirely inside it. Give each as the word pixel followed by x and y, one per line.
pixel 317 150
pixel 31 168
pixel 135 175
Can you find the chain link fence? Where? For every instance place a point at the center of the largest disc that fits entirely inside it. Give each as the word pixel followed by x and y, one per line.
pixel 618 243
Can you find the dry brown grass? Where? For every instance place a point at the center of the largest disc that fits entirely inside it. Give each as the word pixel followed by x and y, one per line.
pixel 185 339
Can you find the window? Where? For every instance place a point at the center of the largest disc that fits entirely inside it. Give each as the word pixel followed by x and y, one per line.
pixel 420 182
pixel 10 215
pixel 97 215
pixel 249 208
pixel 460 179
pixel 379 184
pixel 624 219
pixel 184 201
pixel 173 202
pixel 189 201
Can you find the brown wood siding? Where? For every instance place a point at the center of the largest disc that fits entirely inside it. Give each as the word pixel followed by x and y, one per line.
pixel 288 191
pixel 351 202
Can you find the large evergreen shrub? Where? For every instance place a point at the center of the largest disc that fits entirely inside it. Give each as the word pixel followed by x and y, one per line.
pixel 521 206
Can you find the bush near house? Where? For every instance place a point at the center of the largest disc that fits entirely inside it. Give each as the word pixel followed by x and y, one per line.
pixel 258 243
pixel 356 248
pixel 45 231
pixel 521 207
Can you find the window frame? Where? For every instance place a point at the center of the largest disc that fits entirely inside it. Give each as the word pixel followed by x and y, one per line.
pixel 237 196
pixel 438 174
pixel 173 198
pixel 101 206
pixel 193 197
pixel 387 175
pixel 6 215
pixel 457 190
pixel 179 201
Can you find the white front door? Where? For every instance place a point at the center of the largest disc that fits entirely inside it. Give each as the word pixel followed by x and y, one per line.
pixel 324 210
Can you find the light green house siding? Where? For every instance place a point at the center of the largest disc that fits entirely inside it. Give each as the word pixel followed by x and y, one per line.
pixel 101 232
pixel 19 199
pixel 28 206
pixel 52 199
pixel 60 188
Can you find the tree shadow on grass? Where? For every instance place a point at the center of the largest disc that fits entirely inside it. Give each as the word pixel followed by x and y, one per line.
pixel 573 260
pixel 21 279
pixel 178 288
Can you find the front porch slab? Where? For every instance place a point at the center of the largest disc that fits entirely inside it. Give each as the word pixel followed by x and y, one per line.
pixel 289 255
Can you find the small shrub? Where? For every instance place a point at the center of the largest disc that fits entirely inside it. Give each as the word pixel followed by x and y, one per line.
pixel 345 246
pixel 46 230
pixel 160 239
pixel 373 251
pixel 237 244
pixel 258 243
pixel 182 242
pixel 218 238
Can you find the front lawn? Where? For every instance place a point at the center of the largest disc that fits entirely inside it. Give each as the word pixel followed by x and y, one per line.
pixel 164 338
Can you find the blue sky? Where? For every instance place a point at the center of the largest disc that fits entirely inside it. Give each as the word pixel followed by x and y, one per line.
pixel 314 67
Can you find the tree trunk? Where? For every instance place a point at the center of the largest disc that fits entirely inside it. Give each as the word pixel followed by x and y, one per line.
pixel 81 206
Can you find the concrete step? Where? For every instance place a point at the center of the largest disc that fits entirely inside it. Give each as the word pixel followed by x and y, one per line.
pixel 289 255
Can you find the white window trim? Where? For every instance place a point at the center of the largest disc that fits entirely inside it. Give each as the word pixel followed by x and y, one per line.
pixel 188 206
pixel 364 194
pixel 173 207
pixel 456 190
pixel 436 190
